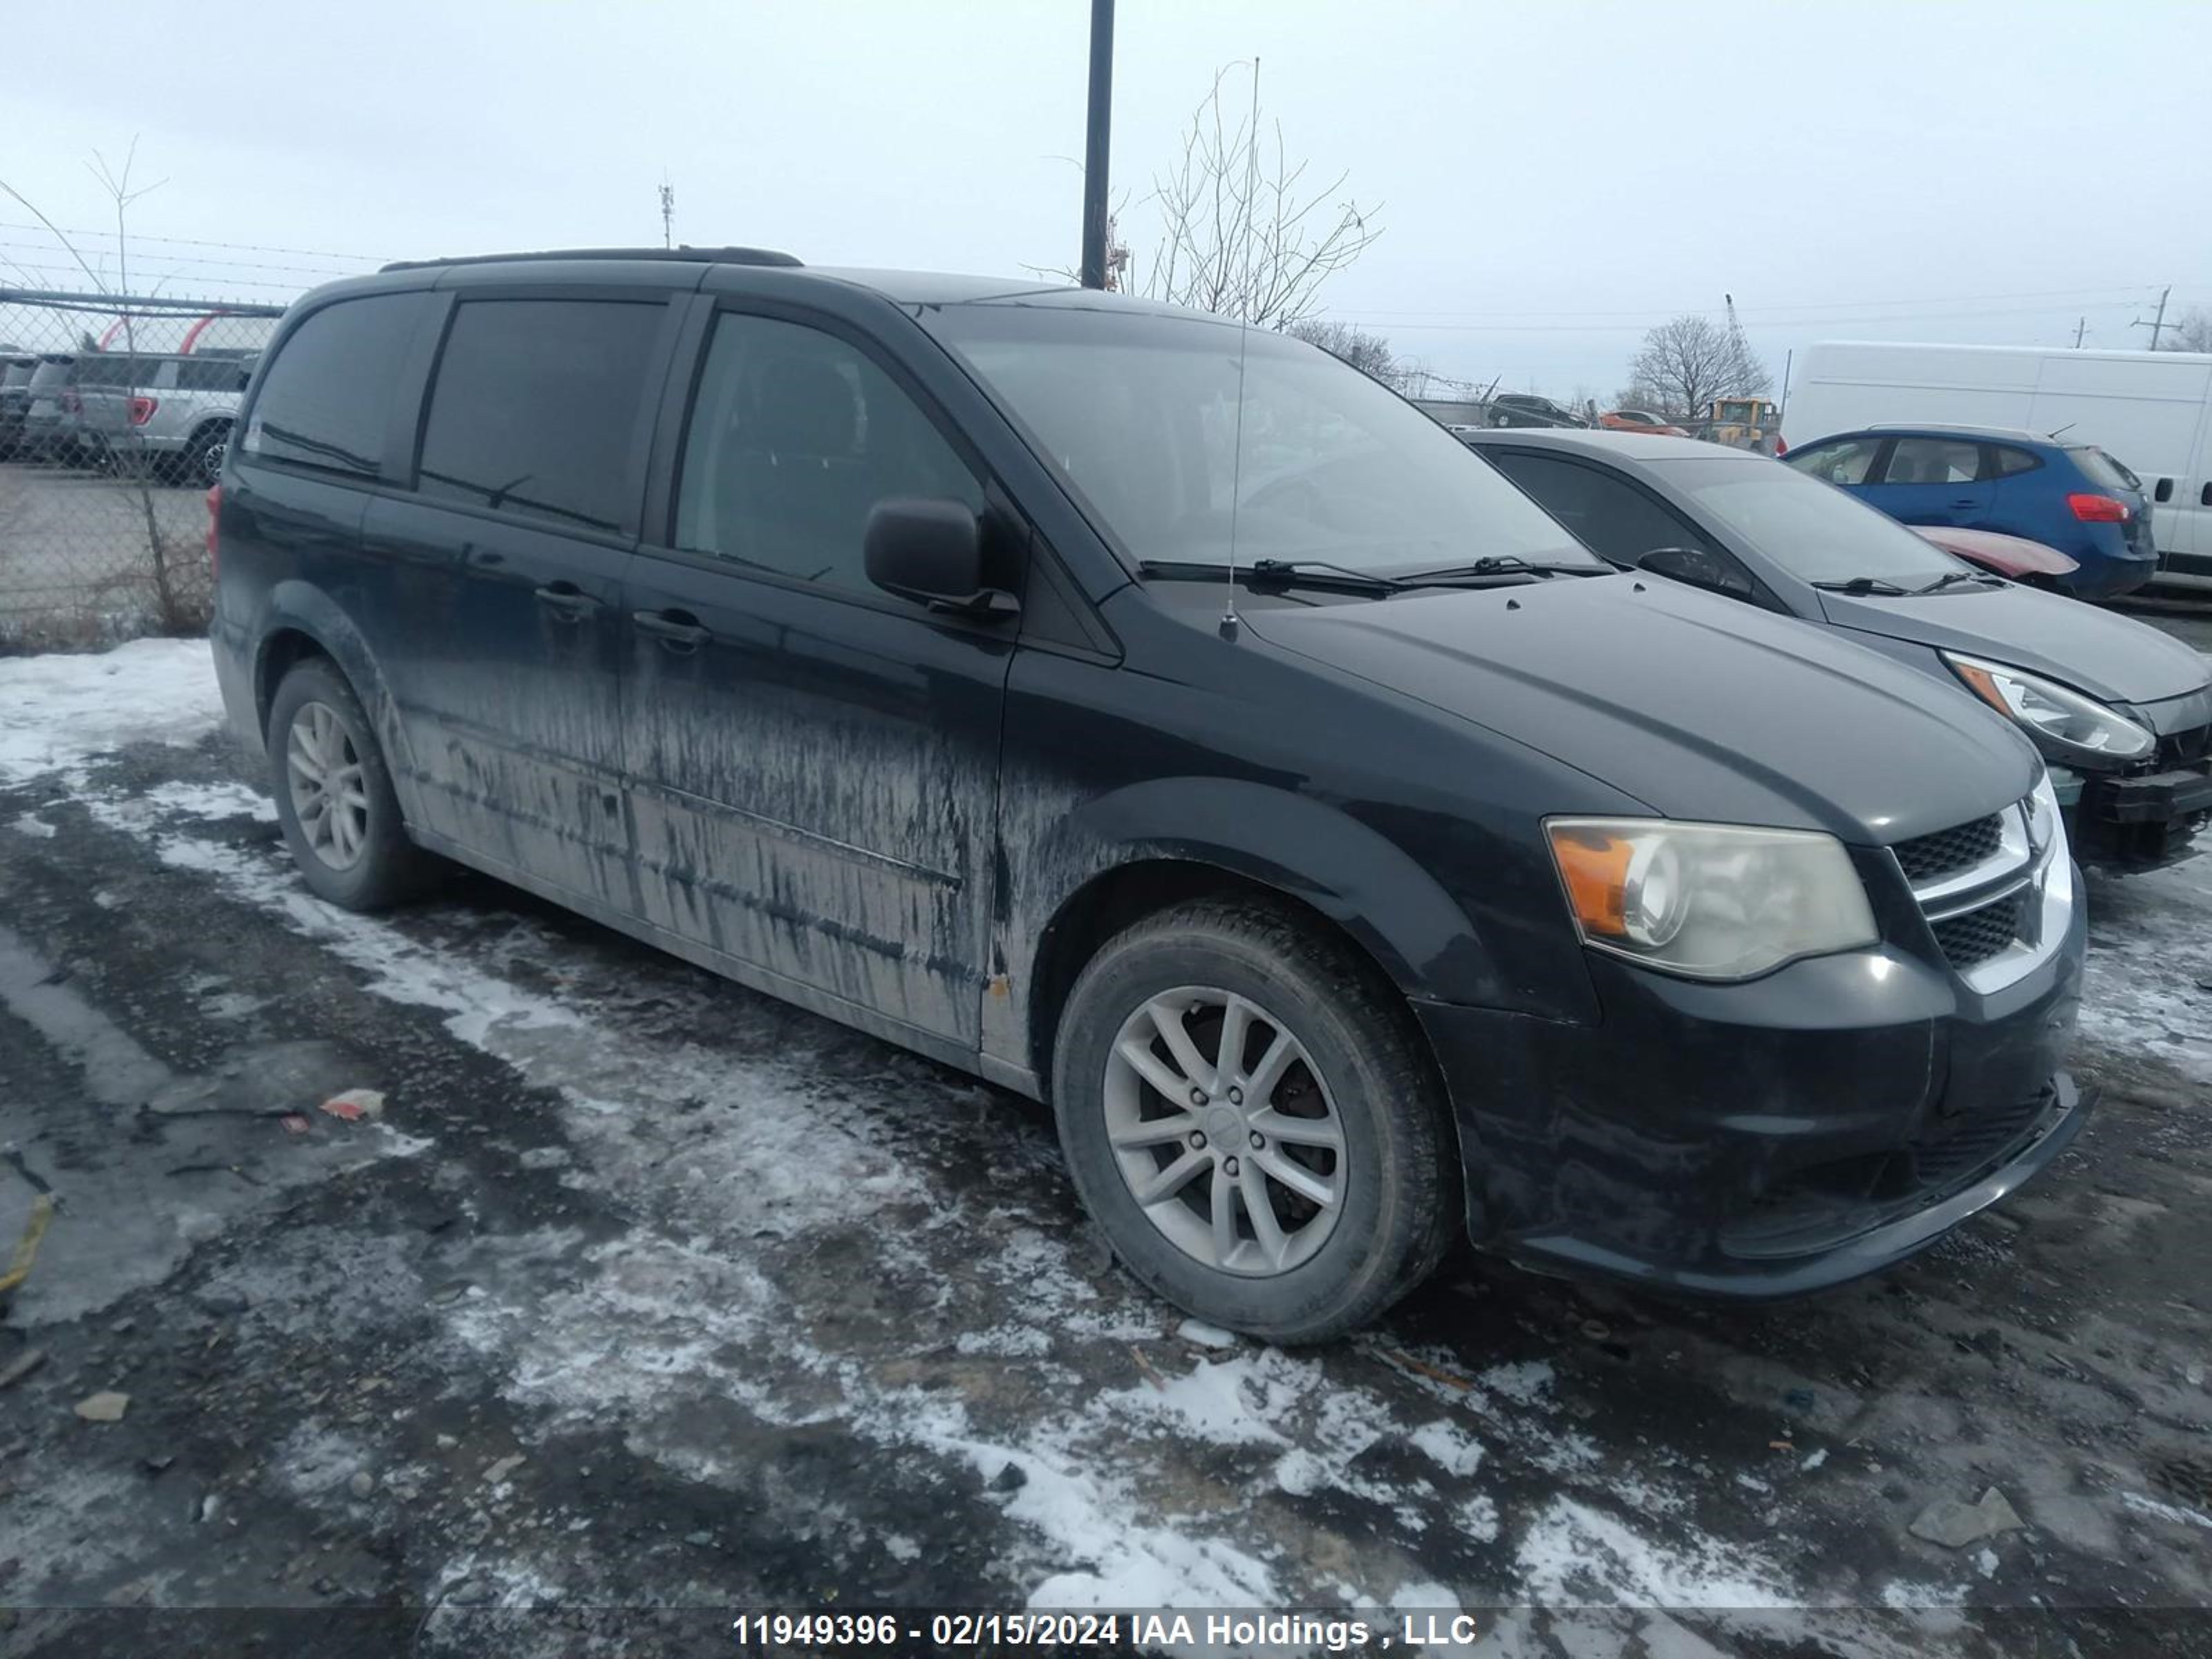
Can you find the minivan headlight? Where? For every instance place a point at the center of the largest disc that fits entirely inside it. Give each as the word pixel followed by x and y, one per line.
pixel 1710 900
pixel 2075 725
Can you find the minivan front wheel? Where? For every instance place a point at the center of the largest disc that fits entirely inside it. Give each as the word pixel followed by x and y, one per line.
pixel 334 795
pixel 1245 1113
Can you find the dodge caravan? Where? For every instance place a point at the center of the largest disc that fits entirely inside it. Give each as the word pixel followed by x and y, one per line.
pixel 1163 719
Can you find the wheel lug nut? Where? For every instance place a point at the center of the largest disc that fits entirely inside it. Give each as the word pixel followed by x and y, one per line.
pixel 1198 1096
pixel 1258 1141
pixel 1229 1167
pixel 1198 1139
pixel 1235 1097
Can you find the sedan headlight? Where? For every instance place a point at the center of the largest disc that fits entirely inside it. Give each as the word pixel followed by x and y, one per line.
pixel 2076 725
pixel 1710 900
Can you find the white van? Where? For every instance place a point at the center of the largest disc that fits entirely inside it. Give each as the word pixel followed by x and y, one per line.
pixel 2152 412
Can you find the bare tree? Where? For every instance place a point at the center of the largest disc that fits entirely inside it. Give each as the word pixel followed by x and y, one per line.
pixel 1370 354
pixel 117 185
pixel 1684 365
pixel 2192 333
pixel 1242 235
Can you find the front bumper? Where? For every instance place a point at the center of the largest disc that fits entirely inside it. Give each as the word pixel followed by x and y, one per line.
pixel 1765 1140
pixel 2142 821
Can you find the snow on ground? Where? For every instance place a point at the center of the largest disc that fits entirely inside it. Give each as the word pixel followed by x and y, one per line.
pixel 739 1168
pixel 743 1171
pixel 56 711
pixel 2150 963
pixel 643 1328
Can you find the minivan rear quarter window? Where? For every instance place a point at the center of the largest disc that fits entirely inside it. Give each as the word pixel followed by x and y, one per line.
pixel 327 398
pixel 535 406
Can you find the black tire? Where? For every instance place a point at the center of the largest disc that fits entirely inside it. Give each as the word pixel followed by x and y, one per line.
pixel 387 867
pixel 201 464
pixel 1397 1176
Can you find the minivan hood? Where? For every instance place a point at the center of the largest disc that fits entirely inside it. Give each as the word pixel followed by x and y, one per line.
pixel 2114 659
pixel 1701 707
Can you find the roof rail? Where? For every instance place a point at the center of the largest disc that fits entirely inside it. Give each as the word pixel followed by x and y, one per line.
pixel 710 256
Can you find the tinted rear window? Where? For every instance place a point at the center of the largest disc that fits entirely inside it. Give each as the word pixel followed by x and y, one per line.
pixel 2101 468
pixel 105 371
pixel 212 374
pixel 535 406
pixel 327 400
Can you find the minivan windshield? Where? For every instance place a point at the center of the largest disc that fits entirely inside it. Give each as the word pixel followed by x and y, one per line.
pixel 1813 531
pixel 1179 433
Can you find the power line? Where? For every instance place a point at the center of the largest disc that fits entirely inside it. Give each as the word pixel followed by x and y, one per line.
pixel 1651 317
pixel 157 257
pixel 75 273
pixel 2126 291
pixel 190 241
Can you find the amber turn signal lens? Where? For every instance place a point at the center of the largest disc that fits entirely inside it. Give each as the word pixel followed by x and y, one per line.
pixel 1984 686
pixel 1596 869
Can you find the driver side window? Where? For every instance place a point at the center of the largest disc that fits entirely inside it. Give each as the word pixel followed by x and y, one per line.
pixel 795 435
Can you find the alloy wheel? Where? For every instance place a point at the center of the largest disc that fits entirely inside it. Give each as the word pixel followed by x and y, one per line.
pixel 1225 1131
pixel 329 795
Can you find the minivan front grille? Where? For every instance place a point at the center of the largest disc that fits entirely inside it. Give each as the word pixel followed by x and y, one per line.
pixel 1926 858
pixel 1970 939
pixel 1981 886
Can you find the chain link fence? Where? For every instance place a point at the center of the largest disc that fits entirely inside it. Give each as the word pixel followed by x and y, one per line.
pixel 115 412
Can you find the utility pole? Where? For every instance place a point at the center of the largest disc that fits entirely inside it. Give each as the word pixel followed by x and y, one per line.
pixel 2080 329
pixel 667 214
pixel 2157 324
pixel 1096 144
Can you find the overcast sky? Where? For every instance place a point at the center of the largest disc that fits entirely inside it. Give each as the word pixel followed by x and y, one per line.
pixel 1552 179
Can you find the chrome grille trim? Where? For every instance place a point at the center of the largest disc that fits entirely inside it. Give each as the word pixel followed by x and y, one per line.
pixel 1977 901
pixel 2035 884
pixel 2013 858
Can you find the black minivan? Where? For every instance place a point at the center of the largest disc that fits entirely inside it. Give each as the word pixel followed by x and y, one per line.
pixel 1162 719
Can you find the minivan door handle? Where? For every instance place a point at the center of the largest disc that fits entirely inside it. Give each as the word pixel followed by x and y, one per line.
pixel 568 601
pixel 2204 496
pixel 677 630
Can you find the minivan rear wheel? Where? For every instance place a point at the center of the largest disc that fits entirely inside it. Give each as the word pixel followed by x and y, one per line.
pixel 1246 1112
pixel 334 795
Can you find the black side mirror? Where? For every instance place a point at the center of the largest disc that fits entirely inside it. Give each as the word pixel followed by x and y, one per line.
pixel 1696 567
pixel 931 551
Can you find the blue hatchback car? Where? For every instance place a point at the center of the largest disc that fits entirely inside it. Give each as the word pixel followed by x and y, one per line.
pixel 2072 496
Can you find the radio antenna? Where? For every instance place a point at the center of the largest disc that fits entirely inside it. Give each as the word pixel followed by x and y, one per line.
pixel 1228 620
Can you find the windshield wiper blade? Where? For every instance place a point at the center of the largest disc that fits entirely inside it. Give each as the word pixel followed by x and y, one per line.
pixel 1282 569
pixel 1501 564
pixel 1316 573
pixel 1863 585
pixel 1979 578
